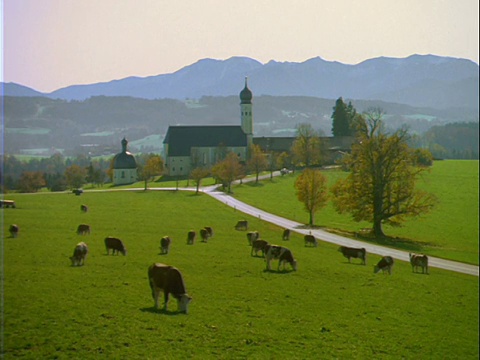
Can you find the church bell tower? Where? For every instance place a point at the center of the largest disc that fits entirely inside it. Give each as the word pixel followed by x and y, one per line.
pixel 246 113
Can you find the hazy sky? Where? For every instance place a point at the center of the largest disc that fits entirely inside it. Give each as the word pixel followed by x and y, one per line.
pixel 49 44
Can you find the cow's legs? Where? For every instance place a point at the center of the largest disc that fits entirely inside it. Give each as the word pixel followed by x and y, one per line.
pixel 165 298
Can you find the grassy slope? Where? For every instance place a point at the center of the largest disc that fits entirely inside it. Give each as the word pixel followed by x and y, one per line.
pixel 327 309
pixel 449 231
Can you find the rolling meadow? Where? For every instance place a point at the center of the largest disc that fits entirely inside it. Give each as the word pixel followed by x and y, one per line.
pixel 327 309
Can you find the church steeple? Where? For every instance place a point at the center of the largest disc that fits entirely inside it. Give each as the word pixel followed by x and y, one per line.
pixel 246 112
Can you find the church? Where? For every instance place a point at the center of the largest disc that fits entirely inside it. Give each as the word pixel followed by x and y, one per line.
pixel 188 147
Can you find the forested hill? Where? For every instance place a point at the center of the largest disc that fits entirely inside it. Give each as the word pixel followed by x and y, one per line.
pixel 40 122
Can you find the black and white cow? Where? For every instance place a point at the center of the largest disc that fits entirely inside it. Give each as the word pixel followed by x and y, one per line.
pixel 83 208
pixel 356 253
pixel 286 234
pixel 241 225
pixel 209 230
pixel 169 280
pixel 281 253
pixel 14 229
pixel 83 229
pixel 191 237
pixel 417 261
pixel 79 254
pixel 165 244
pixel 310 240
pixel 252 236
pixel 116 245
pixel 258 245
pixel 385 264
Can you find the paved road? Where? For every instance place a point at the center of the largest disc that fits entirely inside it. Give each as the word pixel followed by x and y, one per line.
pixel 336 239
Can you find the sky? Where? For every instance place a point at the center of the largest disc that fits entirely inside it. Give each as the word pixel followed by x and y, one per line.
pixel 51 44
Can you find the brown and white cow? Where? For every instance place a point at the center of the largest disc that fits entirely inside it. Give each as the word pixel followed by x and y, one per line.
pixel 13 229
pixel 417 261
pixel 281 253
pixel 252 236
pixel 310 240
pixel 204 235
pixel 209 230
pixel 116 245
pixel 241 225
pixel 79 254
pixel 356 253
pixel 83 208
pixel 165 244
pixel 83 229
pixel 385 264
pixel 169 280
pixel 191 237
pixel 286 234
pixel 258 245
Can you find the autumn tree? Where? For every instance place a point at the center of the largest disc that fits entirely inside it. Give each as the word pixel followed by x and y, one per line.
pixel 342 118
pixel 257 161
pixel 381 185
pixel 306 146
pixel 284 160
pixel 149 166
pixel 75 176
pixel 311 190
pixel 228 170
pixel 197 175
pixel 31 181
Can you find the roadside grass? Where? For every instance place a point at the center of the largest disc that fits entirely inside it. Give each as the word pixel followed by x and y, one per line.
pixel 327 309
pixel 450 231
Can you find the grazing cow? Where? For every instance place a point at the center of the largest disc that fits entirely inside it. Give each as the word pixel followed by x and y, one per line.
pixel 79 254
pixel 310 240
pixel 241 225
pixel 281 253
pixel 116 245
pixel 83 229
pixel 209 230
pixel 13 229
pixel 168 279
pixel 258 245
pixel 83 208
pixel 204 235
pixel 286 234
pixel 419 261
pixel 191 237
pixel 356 253
pixel 385 264
pixel 252 236
pixel 165 244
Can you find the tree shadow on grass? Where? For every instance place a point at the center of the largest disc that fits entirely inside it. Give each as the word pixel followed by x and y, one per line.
pixel 253 184
pixel 153 310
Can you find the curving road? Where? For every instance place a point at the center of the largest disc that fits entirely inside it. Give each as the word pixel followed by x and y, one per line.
pixel 332 238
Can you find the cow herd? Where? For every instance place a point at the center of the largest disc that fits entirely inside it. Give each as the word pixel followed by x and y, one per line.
pixel 168 279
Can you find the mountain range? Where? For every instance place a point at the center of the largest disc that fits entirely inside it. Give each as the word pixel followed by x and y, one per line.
pixel 418 80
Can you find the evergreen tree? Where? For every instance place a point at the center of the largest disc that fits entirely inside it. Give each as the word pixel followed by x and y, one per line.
pixel 342 118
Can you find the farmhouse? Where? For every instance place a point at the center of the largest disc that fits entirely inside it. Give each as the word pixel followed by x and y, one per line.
pixel 124 166
pixel 188 147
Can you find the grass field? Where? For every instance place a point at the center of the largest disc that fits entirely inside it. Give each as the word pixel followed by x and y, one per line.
pixel 104 309
pixel 450 231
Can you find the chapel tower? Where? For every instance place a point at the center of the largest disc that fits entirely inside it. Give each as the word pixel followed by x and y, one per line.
pixel 246 113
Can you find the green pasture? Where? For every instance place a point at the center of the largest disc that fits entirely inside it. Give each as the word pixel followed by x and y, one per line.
pixel 450 231
pixel 327 309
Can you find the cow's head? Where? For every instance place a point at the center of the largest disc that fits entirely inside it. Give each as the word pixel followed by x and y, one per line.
pixel 294 264
pixel 183 303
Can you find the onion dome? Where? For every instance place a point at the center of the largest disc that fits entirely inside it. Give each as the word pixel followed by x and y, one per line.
pixel 246 95
pixel 124 160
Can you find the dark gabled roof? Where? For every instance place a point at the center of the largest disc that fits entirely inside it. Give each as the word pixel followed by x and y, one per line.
pixel 181 139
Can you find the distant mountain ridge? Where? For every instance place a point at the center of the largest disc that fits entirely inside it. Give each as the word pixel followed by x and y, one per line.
pixel 418 80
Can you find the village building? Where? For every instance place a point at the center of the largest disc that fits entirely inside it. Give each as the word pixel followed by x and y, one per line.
pixel 124 166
